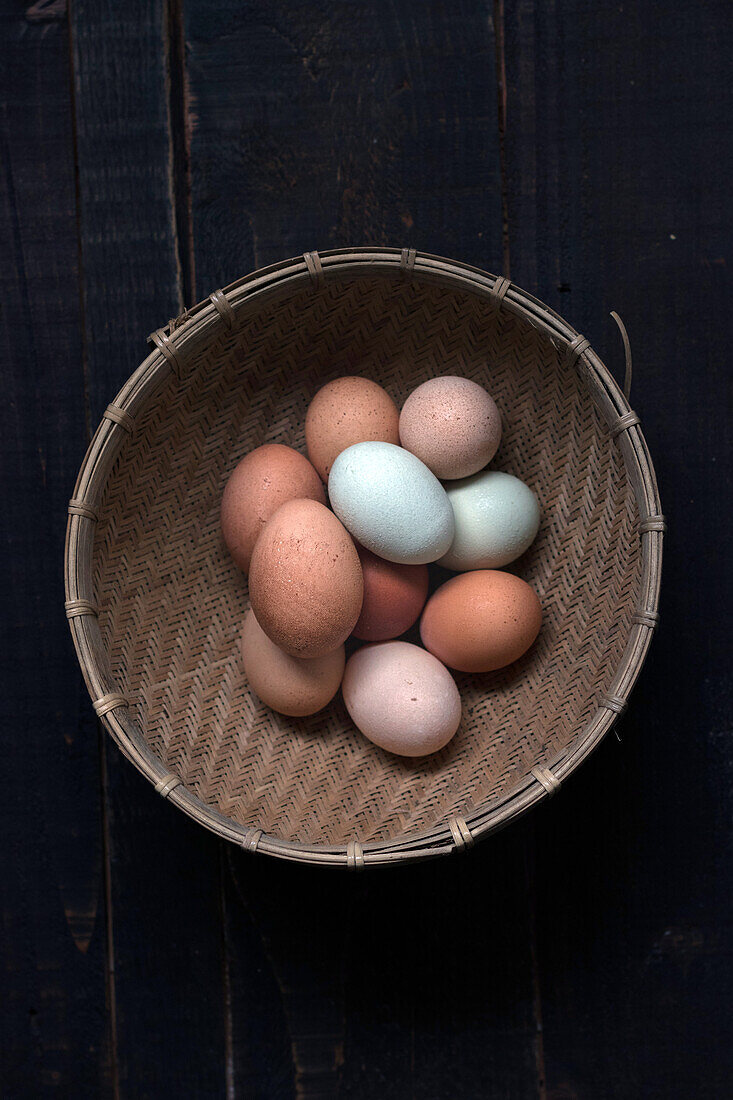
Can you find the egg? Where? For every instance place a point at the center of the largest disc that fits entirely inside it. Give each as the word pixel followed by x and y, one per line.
pixel 481 621
pixel 452 425
pixel 401 698
pixel 391 503
pixel 290 685
pixel 394 596
pixel 496 519
pixel 348 410
pixel 305 582
pixel 258 485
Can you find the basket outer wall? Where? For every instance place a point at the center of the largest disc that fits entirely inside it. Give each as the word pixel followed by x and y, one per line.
pixel 174 348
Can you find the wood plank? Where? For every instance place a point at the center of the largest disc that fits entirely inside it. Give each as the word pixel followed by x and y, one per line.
pixel 285 936
pixel 165 886
pixel 620 155
pixel 55 1034
pixel 440 984
pixel 404 983
pixel 314 126
pixel 317 125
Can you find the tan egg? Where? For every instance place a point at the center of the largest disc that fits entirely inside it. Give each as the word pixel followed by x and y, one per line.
pixel 264 479
pixel 305 581
pixel 346 411
pixel 401 698
pixel 452 425
pixel 481 621
pixel 290 685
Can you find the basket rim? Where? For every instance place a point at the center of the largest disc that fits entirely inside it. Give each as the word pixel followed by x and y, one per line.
pixel 171 345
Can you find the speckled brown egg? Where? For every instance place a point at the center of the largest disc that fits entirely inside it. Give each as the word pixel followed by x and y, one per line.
pixel 401 698
pixel 481 621
pixel 290 685
pixel 346 411
pixel 305 582
pixel 264 479
pixel 394 596
pixel 452 425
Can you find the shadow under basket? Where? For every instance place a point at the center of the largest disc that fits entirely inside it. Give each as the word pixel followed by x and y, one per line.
pixel 156 605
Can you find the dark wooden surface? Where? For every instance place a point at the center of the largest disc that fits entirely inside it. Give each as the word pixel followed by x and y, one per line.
pixel 156 149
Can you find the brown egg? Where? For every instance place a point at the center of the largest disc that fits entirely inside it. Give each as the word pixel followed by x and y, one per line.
pixel 481 621
pixel 348 410
pixel 258 485
pixel 290 685
pixel 394 596
pixel 305 582
pixel 452 425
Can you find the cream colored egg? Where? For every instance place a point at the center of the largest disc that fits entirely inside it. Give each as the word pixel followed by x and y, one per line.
pixel 401 698
pixel 290 685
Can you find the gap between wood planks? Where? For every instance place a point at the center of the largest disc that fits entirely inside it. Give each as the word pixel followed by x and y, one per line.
pixel 501 100
pixel 530 849
pixel 179 125
pixel 111 992
pixel 229 1079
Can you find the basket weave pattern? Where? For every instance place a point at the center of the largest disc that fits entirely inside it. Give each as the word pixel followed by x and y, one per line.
pixel 170 602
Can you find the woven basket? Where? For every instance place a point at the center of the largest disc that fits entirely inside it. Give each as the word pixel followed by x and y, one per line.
pixel 156 605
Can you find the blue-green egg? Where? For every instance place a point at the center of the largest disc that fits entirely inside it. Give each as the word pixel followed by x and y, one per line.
pixel 496 519
pixel 391 503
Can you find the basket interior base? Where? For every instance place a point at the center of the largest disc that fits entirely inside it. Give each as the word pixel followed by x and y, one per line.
pixel 172 603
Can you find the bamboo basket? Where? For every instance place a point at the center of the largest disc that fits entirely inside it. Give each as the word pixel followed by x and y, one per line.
pixel 155 605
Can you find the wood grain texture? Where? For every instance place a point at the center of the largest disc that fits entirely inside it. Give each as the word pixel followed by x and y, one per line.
pixel 619 188
pixel 391 985
pixel 165 881
pixel 260 1054
pixel 257 130
pixel 54 1026
pixel 317 125
pixel 439 979
pixel 295 929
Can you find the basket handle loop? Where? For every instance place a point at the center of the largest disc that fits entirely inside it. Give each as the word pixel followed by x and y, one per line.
pixel 627 353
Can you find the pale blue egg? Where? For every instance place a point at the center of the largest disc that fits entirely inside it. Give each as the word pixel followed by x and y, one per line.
pixel 391 503
pixel 496 519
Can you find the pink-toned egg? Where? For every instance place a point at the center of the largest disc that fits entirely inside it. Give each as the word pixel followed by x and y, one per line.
pixel 264 479
pixel 290 685
pixel 401 698
pixel 394 596
pixel 481 621
pixel 346 411
pixel 452 425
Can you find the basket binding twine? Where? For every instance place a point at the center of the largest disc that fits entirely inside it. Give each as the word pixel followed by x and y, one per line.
pixel 150 590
